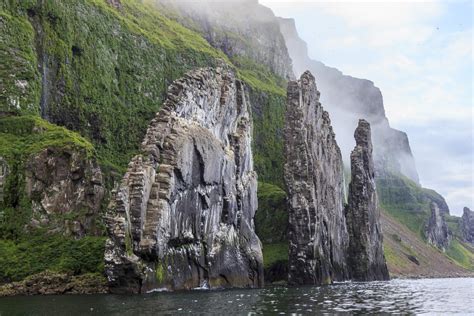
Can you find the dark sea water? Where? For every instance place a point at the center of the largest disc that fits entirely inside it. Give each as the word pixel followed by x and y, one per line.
pixel 425 296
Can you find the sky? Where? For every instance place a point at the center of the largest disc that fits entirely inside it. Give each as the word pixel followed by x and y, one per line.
pixel 420 54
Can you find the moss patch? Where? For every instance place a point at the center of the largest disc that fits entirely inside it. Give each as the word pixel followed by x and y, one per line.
pixel 273 253
pixel 22 136
pixel 271 219
pixel 39 252
pixel 460 254
pixel 19 76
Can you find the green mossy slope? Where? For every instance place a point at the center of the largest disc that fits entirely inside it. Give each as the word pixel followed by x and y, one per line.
pixel 409 204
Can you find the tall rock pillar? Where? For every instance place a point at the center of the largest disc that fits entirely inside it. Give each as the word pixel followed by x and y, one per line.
pixel 182 217
pixel 365 254
pixel 314 180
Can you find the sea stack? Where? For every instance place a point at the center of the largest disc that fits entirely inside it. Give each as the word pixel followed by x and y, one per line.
pixel 365 254
pixel 313 175
pixel 182 217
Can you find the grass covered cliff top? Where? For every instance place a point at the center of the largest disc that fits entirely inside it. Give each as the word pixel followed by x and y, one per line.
pixel 21 136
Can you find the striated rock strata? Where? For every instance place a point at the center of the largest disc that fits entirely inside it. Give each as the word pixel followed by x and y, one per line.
pixel 182 217
pixel 365 253
pixel 436 230
pixel 314 180
pixel 467 225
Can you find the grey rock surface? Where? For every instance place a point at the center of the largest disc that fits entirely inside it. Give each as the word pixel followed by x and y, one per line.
pixel 436 230
pixel 365 253
pixel 182 217
pixel 314 180
pixel 467 225
pixel 66 190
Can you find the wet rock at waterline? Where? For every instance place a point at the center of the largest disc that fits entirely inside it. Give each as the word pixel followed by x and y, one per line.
pixel 365 253
pixel 182 217
pixel 314 180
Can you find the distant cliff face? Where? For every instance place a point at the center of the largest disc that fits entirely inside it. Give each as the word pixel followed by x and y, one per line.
pixel 183 215
pixel 314 180
pixel 365 253
pixel 240 28
pixel 436 231
pixel 347 99
pixel 467 225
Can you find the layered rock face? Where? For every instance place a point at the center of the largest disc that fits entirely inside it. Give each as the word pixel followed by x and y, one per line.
pixel 467 225
pixel 182 217
pixel 314 180
pixel 347 99
pixel 365 253
pixel 66 190
pixel 437 232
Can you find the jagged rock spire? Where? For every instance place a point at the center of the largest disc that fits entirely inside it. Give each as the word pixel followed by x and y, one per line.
pixel 365 254
pixel 314 179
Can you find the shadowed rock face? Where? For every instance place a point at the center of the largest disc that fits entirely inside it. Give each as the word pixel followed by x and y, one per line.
pixel 183 216
pixel 437 232
pixel 365 254
pixel 467 225
pixel 314 180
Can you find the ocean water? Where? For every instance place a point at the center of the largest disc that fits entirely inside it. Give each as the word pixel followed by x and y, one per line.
pixel 424 296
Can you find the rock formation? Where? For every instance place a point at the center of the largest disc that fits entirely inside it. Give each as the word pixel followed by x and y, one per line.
pixel 365 253
pixel 467 225
pixel 314 180
pixel 437 232
pixel 182 217
pixel 66 190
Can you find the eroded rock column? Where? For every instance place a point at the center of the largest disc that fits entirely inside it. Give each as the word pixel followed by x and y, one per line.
pixel 183 216
pixel 365 254
pixel 314 180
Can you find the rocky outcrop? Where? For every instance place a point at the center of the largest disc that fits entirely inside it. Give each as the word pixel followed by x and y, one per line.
pixel 347 99
pixel 314 181
pixel 436 231
pixel 52 283
pixel 182 217
pixel 66 190
pixel 365 253
pixel 467 225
